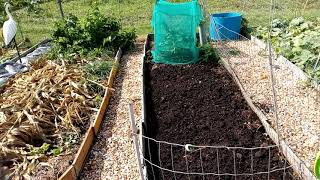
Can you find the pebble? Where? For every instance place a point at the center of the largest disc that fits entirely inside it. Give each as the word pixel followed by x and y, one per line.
pixel 298 105
pixel 239 155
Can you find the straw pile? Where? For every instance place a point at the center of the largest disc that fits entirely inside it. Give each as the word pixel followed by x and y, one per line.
pixel 43 109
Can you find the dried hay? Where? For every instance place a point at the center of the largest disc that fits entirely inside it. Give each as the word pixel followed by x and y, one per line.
pixel 46 105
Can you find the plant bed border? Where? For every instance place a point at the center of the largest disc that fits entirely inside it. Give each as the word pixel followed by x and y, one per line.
pixel 75 168
pixel 298 166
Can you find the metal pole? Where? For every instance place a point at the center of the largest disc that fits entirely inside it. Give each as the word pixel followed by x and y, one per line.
pixel 59 3
pixel 273 80
pixel 16 46
pixel 135 139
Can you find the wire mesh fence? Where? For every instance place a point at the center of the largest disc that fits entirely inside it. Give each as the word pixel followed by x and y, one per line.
pixel 212 162
pixel 276 86
pixel 163 159
pixel 295 104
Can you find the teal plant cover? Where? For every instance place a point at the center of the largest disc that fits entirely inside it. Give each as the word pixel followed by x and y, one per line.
pixel 175 26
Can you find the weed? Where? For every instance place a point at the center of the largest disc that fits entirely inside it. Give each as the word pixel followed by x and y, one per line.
pixel 235 52
pixel 97 71
pixel 56 151
pixel 246 29
pixel 208 53
pixel 40 150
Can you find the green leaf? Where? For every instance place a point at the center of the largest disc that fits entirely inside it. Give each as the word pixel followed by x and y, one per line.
pixel 56 151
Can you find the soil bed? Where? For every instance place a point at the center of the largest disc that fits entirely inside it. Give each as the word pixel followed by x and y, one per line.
pixel 200 104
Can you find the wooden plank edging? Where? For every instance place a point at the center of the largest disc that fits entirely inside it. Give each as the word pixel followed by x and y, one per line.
pixel 298 166
pixel 74 170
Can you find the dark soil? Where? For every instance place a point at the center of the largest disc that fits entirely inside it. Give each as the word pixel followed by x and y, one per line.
pixel 200 104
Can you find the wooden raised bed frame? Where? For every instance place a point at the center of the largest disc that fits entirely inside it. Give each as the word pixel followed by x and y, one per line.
pixel 75 168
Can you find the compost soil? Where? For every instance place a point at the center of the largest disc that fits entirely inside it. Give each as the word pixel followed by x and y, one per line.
pixel 200 104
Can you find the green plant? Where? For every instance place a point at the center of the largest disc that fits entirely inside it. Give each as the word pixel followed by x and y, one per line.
pixel 98 99
pixel 94 33
pixel 208 53
pixel 298 40
pixel 97 71
pixel 245 27
pixel 56 151
pixel 34 6
pixel 40 150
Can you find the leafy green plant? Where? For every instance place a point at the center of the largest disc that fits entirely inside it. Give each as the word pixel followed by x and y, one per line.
pixel 245 27
pixel 97 71
pixel 298 40
pixel 208 53
pixel 56 151
pixel 40 150
pixel 94 33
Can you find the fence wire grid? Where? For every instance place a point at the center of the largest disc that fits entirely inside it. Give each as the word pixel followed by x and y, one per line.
pixel 277 87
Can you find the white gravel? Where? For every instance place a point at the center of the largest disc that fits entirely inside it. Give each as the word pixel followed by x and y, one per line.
pixel 298 104
pixel 113 155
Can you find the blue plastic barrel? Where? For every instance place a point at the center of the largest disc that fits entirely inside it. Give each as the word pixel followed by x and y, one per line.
pixel 225 26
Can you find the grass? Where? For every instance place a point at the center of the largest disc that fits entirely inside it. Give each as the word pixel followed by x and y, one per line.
pixel 137 13
pixel 257 11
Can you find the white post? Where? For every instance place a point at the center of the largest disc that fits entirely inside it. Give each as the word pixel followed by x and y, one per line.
pixel 135 139
pixel 202 35
pixel 203 25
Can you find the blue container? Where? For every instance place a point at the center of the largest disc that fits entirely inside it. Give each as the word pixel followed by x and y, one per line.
pixel 225 26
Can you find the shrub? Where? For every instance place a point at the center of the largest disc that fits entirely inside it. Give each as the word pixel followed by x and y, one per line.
pixel 95 32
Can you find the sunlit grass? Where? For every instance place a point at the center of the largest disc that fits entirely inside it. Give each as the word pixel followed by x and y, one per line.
pixel 137 13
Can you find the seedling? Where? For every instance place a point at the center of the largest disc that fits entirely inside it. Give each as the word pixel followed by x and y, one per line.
pixel 208 53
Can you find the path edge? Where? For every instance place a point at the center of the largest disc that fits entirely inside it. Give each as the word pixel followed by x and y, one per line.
pixel 75 168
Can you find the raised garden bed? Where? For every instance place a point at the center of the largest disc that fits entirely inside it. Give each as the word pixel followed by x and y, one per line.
pixel 61 105
pixel 200 104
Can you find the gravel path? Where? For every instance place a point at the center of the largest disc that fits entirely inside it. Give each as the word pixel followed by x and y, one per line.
pixel 113 156
pixel 298 104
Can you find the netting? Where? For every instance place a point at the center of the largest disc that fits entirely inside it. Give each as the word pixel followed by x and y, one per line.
pixel 175 26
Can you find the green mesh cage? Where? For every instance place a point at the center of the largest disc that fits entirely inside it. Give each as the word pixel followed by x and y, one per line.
pixel 175 26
